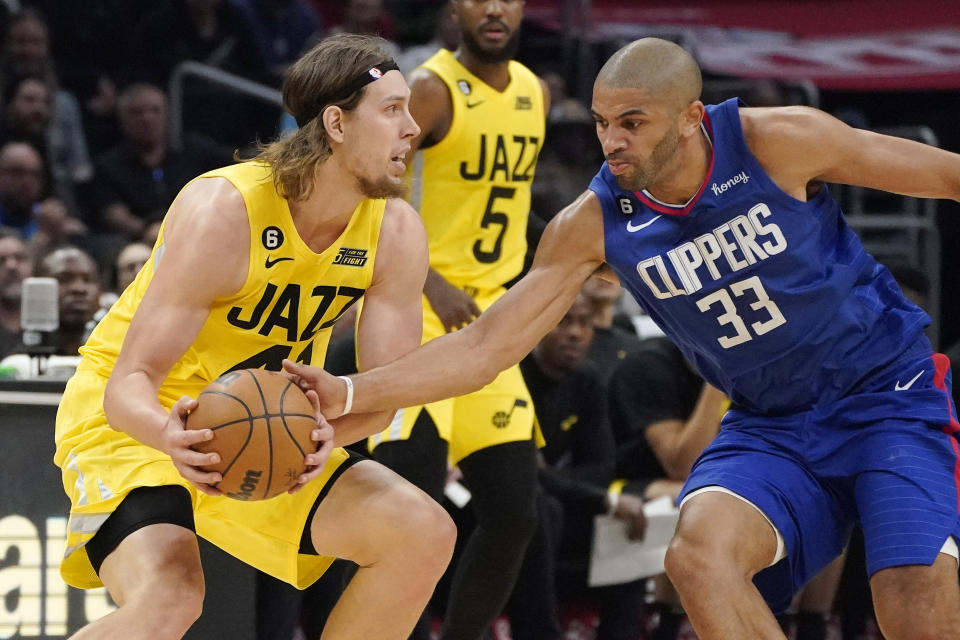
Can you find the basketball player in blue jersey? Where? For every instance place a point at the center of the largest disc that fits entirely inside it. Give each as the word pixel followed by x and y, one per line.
pixel 717 220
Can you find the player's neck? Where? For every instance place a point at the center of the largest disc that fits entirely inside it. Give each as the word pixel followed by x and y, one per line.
pixel 494 74
pixel 684 173
pixel 323 215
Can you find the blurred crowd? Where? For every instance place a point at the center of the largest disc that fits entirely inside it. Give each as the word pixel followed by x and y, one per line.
pixel 89 165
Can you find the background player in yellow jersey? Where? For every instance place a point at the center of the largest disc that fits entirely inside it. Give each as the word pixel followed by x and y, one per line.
pixel 482 119
pixel 255 262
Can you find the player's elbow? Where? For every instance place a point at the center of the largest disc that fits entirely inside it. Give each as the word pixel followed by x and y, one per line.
pixel 486 374
pixel 487 353
pixel 486 365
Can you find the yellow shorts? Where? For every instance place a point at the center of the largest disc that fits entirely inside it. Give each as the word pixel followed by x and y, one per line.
pixel 498 413
pixel 101 465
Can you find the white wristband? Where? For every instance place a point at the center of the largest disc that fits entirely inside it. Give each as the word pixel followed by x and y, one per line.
pixel 613 499
pixel 348 403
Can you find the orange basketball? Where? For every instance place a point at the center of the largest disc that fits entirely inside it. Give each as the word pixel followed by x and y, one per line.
pixel 261 426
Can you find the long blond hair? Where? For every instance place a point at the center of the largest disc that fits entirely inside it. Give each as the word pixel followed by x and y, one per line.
pixel 308 86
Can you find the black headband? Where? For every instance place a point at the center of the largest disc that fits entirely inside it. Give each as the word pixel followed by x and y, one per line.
pixel 373 73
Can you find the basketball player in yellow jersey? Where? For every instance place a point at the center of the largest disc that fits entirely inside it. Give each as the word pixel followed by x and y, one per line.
pixel 482 117
pixel 255 262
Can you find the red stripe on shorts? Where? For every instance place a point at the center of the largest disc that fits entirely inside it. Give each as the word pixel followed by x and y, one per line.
pixel 941 366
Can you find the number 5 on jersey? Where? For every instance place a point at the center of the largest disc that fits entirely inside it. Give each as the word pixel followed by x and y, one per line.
pixel 491 217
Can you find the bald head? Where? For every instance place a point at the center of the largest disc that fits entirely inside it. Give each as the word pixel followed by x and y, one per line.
pixel 657 66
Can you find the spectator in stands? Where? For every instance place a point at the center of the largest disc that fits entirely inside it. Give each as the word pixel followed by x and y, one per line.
pixel 125 268
pixel 21 186
pixel 369 17
pixel 26 115
pixel 22 196
pixel 56 229
pixel 26 52
pixel 446 35
pixel 14 267
pixel 78 281
pixel 138 179
pixel 211 32
pixel 128 264
pixel 611 343
pixel 282 29
pixel 576 476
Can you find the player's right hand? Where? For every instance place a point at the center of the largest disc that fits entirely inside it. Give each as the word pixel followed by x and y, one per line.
pixel 329 389
pixel 323 436
pixel 177 443
pixel 452 305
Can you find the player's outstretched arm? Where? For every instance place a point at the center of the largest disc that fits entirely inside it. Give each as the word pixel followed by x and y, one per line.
pixel 457 363
pixel 391 320
pixel 206 232
pixel 798 144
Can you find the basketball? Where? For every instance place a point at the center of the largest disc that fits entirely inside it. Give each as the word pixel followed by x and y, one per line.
pixel 261 426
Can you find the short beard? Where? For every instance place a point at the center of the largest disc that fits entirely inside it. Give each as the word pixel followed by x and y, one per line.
pixel 487 56
pixel 658 158
pixel 382 188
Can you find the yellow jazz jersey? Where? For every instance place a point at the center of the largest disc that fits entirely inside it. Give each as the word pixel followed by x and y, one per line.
pixel 473 187
pixel 285 309
pixel 289 301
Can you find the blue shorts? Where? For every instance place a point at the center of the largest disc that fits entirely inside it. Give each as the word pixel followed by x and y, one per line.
pixel 887 457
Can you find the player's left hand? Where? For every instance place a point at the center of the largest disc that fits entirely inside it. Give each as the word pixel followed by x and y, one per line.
pixel 323 436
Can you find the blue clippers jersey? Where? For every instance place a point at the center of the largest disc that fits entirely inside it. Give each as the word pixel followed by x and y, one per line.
pixel 774 300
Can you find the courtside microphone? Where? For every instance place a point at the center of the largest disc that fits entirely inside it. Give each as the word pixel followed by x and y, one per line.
pixel 39 311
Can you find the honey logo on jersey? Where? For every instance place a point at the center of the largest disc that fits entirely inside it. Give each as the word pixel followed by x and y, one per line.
pixel 350 257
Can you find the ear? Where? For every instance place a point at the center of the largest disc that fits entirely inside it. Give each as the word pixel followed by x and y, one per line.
pixel 691 117
pixel 332 118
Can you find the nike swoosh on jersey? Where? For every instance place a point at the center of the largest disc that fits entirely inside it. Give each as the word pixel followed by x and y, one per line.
pixel 471 105
pixel 269 263
pixel 897 386
pixel 631 228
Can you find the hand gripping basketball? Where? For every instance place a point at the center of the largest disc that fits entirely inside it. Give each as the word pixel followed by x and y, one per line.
pixel 265 430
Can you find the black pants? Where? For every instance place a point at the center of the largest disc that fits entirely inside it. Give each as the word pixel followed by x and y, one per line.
pixel 503 482
pixel 558 557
